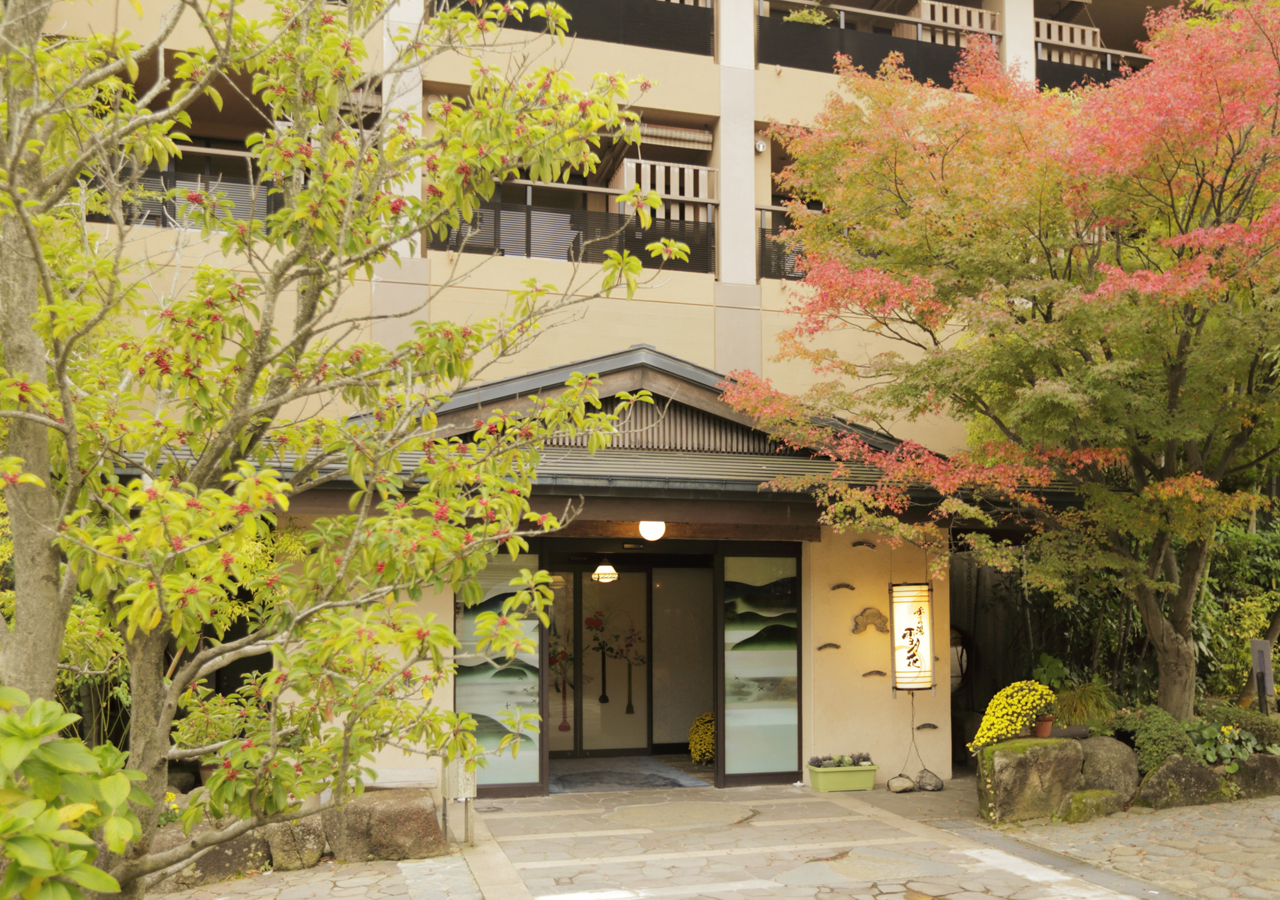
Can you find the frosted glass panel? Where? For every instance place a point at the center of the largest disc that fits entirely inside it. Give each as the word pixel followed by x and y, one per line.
pixel 683 651
pixel 561 660
pixel 761 631
pixel 488 688
pixel 615 696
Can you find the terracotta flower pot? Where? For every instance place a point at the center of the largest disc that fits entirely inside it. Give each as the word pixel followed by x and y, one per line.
pixel 1044 724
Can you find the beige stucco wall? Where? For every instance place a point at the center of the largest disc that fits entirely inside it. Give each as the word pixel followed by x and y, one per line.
pixel 395 767
pixel 683 83
pixel 938 433
pixel 788 95
pixel 672 311
pixel 844 709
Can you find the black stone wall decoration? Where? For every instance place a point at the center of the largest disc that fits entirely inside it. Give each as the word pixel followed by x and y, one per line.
pixel 870 618
pixel 927 726
pixel 863 544
pixel 876 672
pixel 843 586
pixel 829 647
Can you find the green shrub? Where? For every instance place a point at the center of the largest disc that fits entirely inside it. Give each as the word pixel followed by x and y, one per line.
pixel 808 17
pixel 1083 704
pixel 1225 745
pixel 1264 728
pixel 839 761
pixel 1155 734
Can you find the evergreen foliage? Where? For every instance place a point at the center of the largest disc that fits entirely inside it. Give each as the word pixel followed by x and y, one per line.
pixel 1154 734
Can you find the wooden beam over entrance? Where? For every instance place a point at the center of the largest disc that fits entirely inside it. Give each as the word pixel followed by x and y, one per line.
pixel 694 531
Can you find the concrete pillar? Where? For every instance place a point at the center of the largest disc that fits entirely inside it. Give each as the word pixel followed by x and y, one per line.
pixel 399 291
pixel 737 293
pixel 1018 43
pixel 403 92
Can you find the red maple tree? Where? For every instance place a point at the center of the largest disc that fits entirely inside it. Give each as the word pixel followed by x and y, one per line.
pixel 1086 280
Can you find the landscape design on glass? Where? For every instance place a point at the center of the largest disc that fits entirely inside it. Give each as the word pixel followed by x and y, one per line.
pixel 761 634
pixel 487 690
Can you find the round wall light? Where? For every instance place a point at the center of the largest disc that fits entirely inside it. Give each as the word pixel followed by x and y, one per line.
pixel 604 573
pixel 652 531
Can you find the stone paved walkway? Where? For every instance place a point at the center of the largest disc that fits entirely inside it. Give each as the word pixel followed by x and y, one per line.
pixel 774 842
pixel 1207 852
pixel 443 878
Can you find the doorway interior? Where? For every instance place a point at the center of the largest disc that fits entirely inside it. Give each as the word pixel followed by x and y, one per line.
pixel 631 662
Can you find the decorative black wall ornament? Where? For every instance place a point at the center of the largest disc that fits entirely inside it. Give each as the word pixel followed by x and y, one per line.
pixel 843 586
pixel 871 618
pixel 927 726
pixel 875 672
pixel 829 647
pixel 857 544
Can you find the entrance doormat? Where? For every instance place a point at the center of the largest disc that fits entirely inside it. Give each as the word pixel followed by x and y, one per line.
pixel 617 773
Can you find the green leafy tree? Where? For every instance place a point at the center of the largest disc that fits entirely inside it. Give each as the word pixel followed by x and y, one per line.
pixel 1086 280
pixel 166 393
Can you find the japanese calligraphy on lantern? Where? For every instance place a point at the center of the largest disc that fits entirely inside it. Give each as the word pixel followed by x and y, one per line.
pixel 912 612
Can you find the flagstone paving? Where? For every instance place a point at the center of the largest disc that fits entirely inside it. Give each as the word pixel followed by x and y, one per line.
pixel 776 842
pixel 1207 852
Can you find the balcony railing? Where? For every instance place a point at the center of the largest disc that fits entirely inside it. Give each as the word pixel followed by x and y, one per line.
pixel 207 171
pixel 814 47
pixel 775 259
pixel 1068 55
pixel 930 38
pixel 537 232
pixel 657 24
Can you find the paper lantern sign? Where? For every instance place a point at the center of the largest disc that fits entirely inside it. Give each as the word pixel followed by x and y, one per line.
pixel 912 612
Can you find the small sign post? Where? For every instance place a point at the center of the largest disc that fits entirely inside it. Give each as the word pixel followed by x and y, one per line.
pixel 459 784
pixel 1263 675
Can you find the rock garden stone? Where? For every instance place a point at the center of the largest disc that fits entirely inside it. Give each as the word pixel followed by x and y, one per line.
pixel 1110 765
pixel 241 856
pixel 397 824
pixel 928 781
pixel 1259 776
pixel 182 781
pixel 1028 778
pixel 901 784
pixel 1179 781
pixel 1087 805
pixel 295 845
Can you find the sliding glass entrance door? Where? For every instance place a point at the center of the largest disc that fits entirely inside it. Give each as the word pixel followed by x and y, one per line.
pixel 614 629
pixel 598 659
pixel 760 686
pixel 492 688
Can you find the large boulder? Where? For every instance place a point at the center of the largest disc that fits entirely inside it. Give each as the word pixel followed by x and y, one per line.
pixel 1087 805
pixel 1028 778
pixel 397 824
pixel 236 858
pixel 1179 781
pixel 900 784
pixel 929 781
pixel 1110 765
pixel 295 845
pixel 1259 776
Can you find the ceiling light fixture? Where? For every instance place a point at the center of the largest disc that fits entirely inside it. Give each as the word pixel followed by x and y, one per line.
pixel 652 531
pixel 604 573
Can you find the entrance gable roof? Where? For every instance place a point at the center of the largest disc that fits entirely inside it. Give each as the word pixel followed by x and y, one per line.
pixel 694 390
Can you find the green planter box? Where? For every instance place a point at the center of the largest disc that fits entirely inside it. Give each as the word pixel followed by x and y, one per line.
pixel 843 778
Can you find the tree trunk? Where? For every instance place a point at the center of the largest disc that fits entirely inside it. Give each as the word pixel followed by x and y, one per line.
pixel 1170 634
pixel 29 659
pixel 148 742
pixel 1177 661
